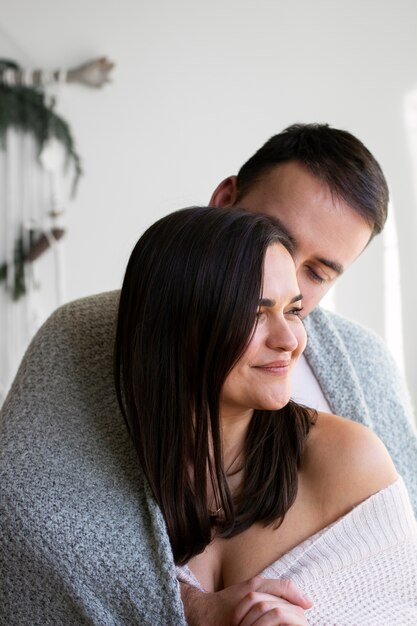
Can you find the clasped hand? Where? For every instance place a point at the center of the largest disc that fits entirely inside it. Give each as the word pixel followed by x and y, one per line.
pixel 258 601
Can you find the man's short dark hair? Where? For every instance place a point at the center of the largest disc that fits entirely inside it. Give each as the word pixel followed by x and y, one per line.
pixel 334 156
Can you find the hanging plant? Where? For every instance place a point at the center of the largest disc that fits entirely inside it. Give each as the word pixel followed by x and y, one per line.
pixel 26 109
pixel 37 244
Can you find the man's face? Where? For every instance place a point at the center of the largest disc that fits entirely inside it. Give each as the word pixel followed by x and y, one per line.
pixel 329 234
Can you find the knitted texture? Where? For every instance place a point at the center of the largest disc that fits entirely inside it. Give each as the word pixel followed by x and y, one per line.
pixel 360 570
pixel 81 539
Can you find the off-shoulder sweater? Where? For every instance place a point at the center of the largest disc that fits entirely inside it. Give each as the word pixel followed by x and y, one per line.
pixel 359 571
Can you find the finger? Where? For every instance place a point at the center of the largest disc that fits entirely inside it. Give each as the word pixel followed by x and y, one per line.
pixel 249 603
pixel 271 620
pixel 255 604
pixel 274 614
pixel 283 588
pixel 278 588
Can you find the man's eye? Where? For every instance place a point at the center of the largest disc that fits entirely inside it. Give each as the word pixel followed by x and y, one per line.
pixel 316 277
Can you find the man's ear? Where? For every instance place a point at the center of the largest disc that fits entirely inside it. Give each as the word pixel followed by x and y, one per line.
pixel 225 194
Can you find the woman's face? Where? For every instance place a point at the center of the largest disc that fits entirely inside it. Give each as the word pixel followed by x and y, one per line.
pixel 261 379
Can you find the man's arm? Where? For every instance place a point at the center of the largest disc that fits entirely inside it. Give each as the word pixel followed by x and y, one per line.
pixel 82 541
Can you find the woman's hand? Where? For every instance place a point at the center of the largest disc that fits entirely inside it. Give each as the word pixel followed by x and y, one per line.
pixel 258 601
pixel 268 606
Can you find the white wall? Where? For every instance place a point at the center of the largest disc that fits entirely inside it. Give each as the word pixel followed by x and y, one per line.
pixel 197 89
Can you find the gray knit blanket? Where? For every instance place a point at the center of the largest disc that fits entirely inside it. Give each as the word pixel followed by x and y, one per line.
pixel 81 539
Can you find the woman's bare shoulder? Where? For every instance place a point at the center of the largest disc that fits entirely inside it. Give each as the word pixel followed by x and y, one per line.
pixel 345 463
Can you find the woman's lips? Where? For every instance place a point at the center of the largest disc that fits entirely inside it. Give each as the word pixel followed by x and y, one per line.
pixel 274 367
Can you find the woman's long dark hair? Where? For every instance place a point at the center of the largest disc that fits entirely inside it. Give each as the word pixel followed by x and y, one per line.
pixel 187 312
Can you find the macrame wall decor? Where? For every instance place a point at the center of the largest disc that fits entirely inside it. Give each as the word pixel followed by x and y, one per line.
pixel 39 172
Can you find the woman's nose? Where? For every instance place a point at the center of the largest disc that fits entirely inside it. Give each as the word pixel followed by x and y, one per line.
pixel 282 337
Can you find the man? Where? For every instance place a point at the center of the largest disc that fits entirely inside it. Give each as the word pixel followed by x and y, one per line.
pixel 331 195
pixel 81 538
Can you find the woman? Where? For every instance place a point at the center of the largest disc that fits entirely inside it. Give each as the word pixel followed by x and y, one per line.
pixel 248 482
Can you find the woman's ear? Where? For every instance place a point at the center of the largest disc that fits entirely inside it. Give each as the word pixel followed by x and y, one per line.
pixel 224 195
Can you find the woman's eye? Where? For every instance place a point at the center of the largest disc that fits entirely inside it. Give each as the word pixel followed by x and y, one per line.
pixel 316 277
pixel 261 315
pixel 296 311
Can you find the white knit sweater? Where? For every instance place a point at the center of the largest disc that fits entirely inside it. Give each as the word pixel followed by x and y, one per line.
pixel 359 571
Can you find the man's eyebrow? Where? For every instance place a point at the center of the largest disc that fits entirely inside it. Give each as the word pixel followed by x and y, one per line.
pixel 268 302
pixel 333 265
